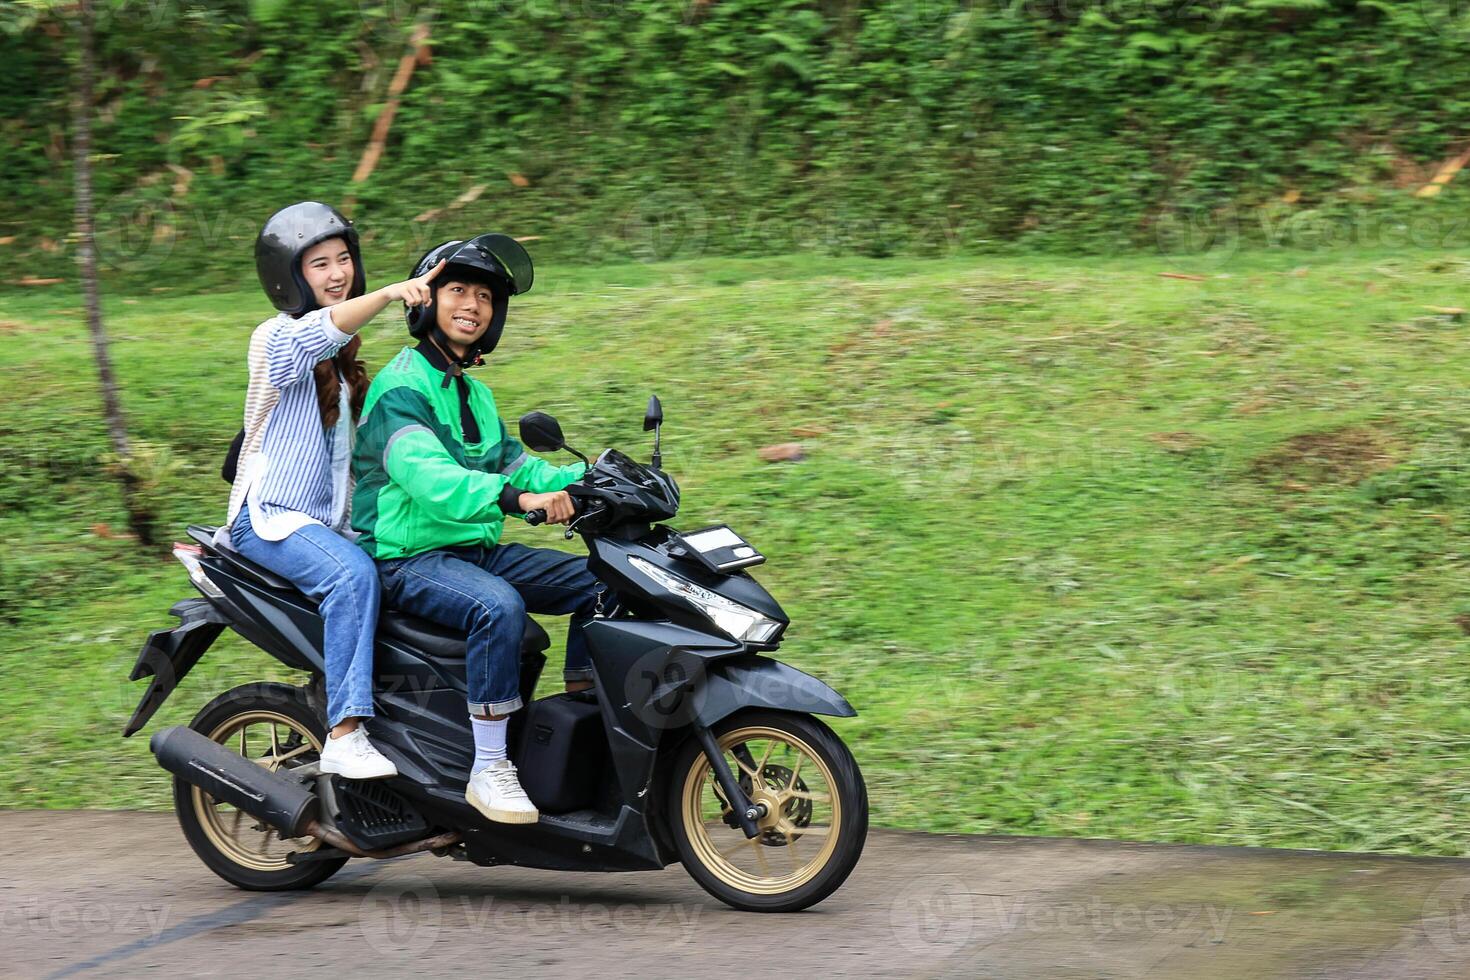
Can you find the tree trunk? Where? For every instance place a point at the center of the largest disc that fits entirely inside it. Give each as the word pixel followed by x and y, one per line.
pixel 139 519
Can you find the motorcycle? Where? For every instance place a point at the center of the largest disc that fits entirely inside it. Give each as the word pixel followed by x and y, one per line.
pixel 693 745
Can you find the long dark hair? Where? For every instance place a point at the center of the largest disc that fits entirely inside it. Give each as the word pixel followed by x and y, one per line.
pixel 328 392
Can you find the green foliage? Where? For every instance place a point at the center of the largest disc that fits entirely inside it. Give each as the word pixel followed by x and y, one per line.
pixel 660 128
pixel 1093 552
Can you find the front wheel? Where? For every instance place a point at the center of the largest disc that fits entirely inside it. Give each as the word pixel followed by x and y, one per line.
pixel 816 812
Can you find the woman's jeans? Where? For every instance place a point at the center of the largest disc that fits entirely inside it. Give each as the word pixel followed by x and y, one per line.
pixel 341 576
pixel 486 592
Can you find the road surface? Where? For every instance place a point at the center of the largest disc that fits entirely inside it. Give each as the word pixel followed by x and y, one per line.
pixel 90 894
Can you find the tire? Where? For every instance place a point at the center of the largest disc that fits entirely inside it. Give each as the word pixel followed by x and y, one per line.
pixel 226 839
pixel 773 875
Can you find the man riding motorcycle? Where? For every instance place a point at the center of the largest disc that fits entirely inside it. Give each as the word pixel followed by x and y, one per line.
pixel 436 474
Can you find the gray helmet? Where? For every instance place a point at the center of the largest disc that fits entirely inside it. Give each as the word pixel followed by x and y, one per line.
pixel 499 261
pixel 286 236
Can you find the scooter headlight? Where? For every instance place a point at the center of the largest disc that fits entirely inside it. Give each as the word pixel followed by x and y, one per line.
pixel 740 622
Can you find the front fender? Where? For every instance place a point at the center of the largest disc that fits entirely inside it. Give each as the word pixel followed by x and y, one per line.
pixel 760 682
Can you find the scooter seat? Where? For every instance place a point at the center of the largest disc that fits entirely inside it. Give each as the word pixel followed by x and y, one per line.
pixel 204 534
pixel 444 643
pixel 431 638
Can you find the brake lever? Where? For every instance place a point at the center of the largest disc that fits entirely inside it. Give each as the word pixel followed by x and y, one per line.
pixel 589 512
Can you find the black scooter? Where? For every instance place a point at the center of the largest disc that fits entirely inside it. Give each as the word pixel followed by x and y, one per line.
pixel 693 745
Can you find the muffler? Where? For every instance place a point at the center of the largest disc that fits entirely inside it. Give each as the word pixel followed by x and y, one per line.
pixel 231 778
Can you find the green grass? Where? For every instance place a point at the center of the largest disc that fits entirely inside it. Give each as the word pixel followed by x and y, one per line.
pixel 1094 552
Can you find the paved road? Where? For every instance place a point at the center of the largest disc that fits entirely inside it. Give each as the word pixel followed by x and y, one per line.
pixel 106 894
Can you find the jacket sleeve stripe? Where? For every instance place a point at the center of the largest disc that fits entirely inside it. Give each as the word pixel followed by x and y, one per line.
pixel 399 434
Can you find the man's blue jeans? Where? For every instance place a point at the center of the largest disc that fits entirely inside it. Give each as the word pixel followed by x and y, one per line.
pixel 341 576
pixel 486 592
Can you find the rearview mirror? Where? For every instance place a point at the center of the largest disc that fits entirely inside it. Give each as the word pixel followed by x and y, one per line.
pixel 655 414
pixel 541 433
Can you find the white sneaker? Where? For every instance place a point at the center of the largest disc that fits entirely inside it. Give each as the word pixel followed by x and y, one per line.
pixel 353 757
pixel 496 792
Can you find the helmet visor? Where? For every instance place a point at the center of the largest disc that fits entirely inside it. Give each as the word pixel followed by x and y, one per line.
pixel 503 254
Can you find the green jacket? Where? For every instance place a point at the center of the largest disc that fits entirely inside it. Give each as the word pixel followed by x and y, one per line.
pixel 419 485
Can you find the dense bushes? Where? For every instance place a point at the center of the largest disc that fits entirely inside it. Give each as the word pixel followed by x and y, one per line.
pixel 646 128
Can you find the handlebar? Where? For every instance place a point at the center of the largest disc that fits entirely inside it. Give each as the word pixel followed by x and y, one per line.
pixel 582 509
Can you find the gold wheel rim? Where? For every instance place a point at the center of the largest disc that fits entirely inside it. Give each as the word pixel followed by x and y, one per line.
pixel 782 771
pixel 268 739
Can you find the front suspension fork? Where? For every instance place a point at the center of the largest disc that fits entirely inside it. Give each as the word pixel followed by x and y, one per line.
pixel 746 812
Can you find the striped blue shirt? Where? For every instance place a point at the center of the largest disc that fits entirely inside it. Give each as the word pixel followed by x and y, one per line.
pixel 298 471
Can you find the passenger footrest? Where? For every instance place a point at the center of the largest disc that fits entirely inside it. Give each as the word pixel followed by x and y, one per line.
pixel 373 816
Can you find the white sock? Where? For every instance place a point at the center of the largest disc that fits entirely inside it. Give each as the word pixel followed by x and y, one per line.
pixel 489 741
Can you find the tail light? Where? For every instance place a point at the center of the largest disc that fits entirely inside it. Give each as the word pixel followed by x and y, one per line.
pixel 188 556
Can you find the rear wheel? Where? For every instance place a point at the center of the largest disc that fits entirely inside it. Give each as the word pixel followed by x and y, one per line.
pixel 275 726
pixel 815 821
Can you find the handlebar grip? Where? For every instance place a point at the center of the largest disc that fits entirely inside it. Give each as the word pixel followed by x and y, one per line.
pixel 537 516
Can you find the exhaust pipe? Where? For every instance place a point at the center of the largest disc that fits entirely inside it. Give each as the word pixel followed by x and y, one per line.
pixel 341 843
pixel 227 776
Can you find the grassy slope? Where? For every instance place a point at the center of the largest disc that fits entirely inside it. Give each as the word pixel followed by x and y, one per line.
pixel 1094 552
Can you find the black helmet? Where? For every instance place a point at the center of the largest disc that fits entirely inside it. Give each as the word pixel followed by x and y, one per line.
pixel 278 249
pixel 499 261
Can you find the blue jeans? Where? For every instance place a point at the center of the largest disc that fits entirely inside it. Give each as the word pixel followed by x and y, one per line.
pixel 341 576
pixel 486 592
